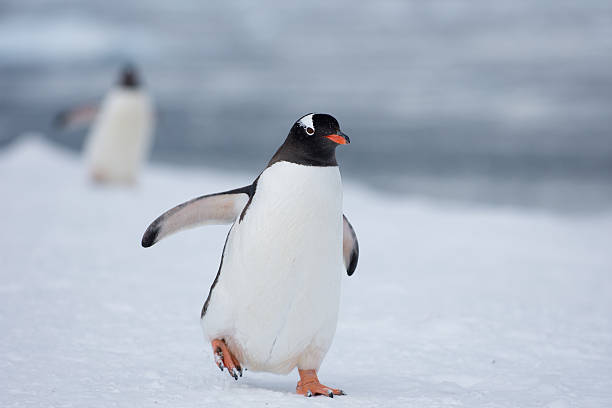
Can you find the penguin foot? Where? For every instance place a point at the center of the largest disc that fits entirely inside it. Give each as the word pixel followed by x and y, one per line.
pixel 309 385
pixel 99 177
pixel 225 359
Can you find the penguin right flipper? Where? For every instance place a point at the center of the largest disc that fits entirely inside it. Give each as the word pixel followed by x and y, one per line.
pixel 350 246
pixel 212 209
pixel 76 116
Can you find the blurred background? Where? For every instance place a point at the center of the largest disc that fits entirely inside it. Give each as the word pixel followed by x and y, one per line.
pixel 503 103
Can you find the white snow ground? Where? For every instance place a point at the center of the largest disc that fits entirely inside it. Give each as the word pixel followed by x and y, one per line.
pixel 470 307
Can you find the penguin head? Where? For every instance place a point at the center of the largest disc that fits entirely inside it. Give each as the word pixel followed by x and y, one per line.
pixel 128 77
pixel 318 129
pixel 312 141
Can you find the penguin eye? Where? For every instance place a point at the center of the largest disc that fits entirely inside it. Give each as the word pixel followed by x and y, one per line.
pixel 310 131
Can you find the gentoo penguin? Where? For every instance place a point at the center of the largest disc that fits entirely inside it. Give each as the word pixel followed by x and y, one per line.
pixel 273 305
pixel 120 138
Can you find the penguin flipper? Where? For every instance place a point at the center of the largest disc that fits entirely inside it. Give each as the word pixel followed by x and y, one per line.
pixel 211 209
pixel 76 116
pixel 350 246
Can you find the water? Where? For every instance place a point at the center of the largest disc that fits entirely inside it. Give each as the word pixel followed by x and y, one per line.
pixel 504 103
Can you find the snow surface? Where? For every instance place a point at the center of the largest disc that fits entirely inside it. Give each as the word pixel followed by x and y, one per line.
pixel 449 306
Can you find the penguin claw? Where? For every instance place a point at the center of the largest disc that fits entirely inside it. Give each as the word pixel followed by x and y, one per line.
pixel 225 359
pixel 219 359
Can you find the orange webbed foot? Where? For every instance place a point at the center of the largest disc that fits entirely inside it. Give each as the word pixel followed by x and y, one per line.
pixel 225 359
pixel 309 385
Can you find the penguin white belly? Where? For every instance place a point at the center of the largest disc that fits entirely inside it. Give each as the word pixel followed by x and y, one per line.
pixel 277 295
pixel 120 138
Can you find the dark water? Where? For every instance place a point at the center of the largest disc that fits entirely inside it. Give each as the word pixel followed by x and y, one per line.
pixel 505 103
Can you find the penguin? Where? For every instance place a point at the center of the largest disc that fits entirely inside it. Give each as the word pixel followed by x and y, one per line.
pixel 273 305
pixel 121 135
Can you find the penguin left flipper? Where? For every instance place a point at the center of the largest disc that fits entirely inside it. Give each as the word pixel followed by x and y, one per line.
pixel 212 209
pixel 76 116
pixel 350 246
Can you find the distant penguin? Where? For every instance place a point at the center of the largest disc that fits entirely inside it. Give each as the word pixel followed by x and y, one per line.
pixel 273 305
pixel 121 135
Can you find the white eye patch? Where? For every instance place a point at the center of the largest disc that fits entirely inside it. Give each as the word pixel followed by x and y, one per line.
pixel 306 121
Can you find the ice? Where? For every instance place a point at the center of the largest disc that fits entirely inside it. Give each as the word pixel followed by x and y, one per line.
pixel 449 306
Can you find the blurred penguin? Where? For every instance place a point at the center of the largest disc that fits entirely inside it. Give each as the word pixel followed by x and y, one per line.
pixel 120 137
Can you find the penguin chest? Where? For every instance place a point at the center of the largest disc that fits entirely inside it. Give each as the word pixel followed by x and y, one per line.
pixel 279 284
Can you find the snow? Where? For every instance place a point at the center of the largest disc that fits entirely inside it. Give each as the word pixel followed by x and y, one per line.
pixel 449 306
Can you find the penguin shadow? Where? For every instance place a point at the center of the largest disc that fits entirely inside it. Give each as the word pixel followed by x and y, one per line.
pixel 269 382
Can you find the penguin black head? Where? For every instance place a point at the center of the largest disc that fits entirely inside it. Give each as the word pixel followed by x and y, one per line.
pixel 312 141
pixel 128 78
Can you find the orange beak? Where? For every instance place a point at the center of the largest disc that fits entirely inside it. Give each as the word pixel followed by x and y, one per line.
pixel 339 138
